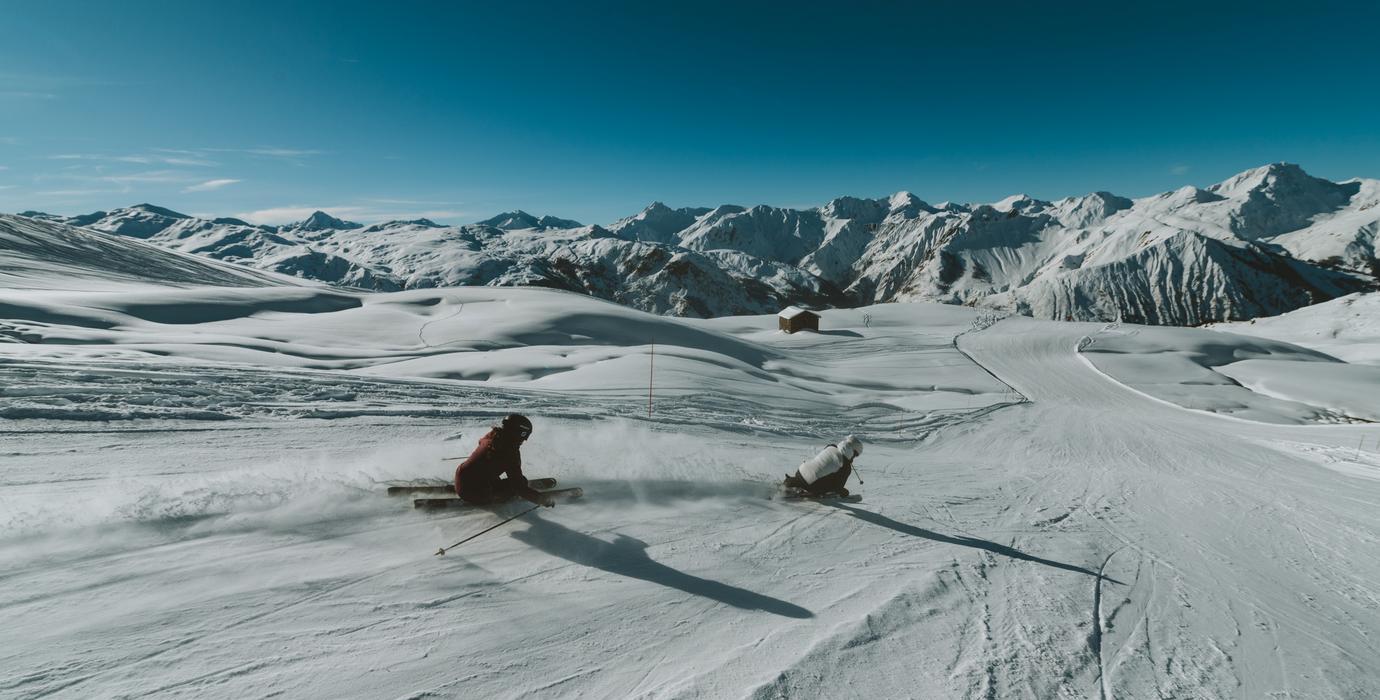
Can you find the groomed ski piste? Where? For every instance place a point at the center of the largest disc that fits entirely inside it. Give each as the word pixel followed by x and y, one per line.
pixel 195 457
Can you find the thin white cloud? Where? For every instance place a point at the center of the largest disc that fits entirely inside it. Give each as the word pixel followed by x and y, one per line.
pixel 76 193
pixel 150 159
pixel 164 176
pixel 435 214
pixel 1179 170
pixel 270 151
pixel 4 167
pixel 414 202
pixel 49 81
pixel 9 140
pixel 26 95
pixel 196 162
pixel 211 185
pixel 153 176
pixel 125 181
pixel 283 152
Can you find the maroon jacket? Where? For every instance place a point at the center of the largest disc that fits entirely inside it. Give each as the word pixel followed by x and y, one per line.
pixel 477 478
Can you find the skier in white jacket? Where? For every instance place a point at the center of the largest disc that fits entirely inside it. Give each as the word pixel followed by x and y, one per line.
pixel 827 471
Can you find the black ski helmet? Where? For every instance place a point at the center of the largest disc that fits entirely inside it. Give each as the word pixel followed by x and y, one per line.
pixel 518 425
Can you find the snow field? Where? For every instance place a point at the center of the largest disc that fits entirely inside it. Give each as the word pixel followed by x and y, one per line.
pixel 191 504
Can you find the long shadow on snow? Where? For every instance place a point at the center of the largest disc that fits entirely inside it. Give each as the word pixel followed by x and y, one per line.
pixel 973 542
pixel 627 556
pixel 671 490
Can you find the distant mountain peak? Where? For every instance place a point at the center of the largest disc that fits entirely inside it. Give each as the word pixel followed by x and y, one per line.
pixel 1188 194
pixel 907 204
pixel 726 209
pixel 401 225
pixel 1280 197
pixel 321 221
pixel 1020 203
pixel 160 211
pixel 230 221
pixel 556 222
pixel 656 222
pixel 902 199
pixel 1270 177
pixel 518 219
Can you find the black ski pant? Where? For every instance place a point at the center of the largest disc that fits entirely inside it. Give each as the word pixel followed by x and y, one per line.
pixel 496 491
pixel 825 484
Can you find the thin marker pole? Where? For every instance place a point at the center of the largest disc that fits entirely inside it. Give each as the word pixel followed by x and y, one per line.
pixel 651 370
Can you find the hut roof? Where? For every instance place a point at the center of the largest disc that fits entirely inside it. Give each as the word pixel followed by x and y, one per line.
pixel 793 311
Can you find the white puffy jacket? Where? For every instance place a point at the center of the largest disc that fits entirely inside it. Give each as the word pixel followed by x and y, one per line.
pixel 830 459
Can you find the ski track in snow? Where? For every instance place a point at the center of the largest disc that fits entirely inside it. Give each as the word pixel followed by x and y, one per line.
pixel 220 531
pixel 1231 486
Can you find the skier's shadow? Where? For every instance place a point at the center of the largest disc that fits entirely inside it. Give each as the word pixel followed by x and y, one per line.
pixel 974 542
pixel 627 556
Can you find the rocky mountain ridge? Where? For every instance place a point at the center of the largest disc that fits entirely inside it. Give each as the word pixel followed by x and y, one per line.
pixel 1263 242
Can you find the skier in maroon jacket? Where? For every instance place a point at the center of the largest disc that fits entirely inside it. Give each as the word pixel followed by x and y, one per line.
pixel 479 479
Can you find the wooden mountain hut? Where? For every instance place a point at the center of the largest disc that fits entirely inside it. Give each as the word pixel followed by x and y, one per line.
pixel 794 318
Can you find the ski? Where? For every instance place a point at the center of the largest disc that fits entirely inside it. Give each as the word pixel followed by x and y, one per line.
pixel 449 489
pixel 457 502
pixel 790 495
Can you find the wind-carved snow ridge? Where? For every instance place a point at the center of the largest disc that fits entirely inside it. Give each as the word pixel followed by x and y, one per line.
pixel 1248 377
pixel 1263 242
pixel 982 322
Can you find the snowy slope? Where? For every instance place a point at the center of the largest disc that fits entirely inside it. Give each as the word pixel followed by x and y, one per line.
pixel 536 339
pixel 1263 242
pixel 47 255
pixel 191 505
pixel 1248 377
pixel 1347 328
pixel 1316 364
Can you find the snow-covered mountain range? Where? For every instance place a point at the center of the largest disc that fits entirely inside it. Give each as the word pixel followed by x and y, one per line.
pixel 194 502
pixel 1263 242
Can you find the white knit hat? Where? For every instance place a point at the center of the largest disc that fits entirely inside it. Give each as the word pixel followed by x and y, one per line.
pixel 851 447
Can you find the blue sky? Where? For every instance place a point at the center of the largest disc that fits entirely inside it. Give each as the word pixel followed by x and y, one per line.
pixel 458 111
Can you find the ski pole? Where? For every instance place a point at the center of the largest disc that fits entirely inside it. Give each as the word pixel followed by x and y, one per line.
pixel 860 481
pixel 442 551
